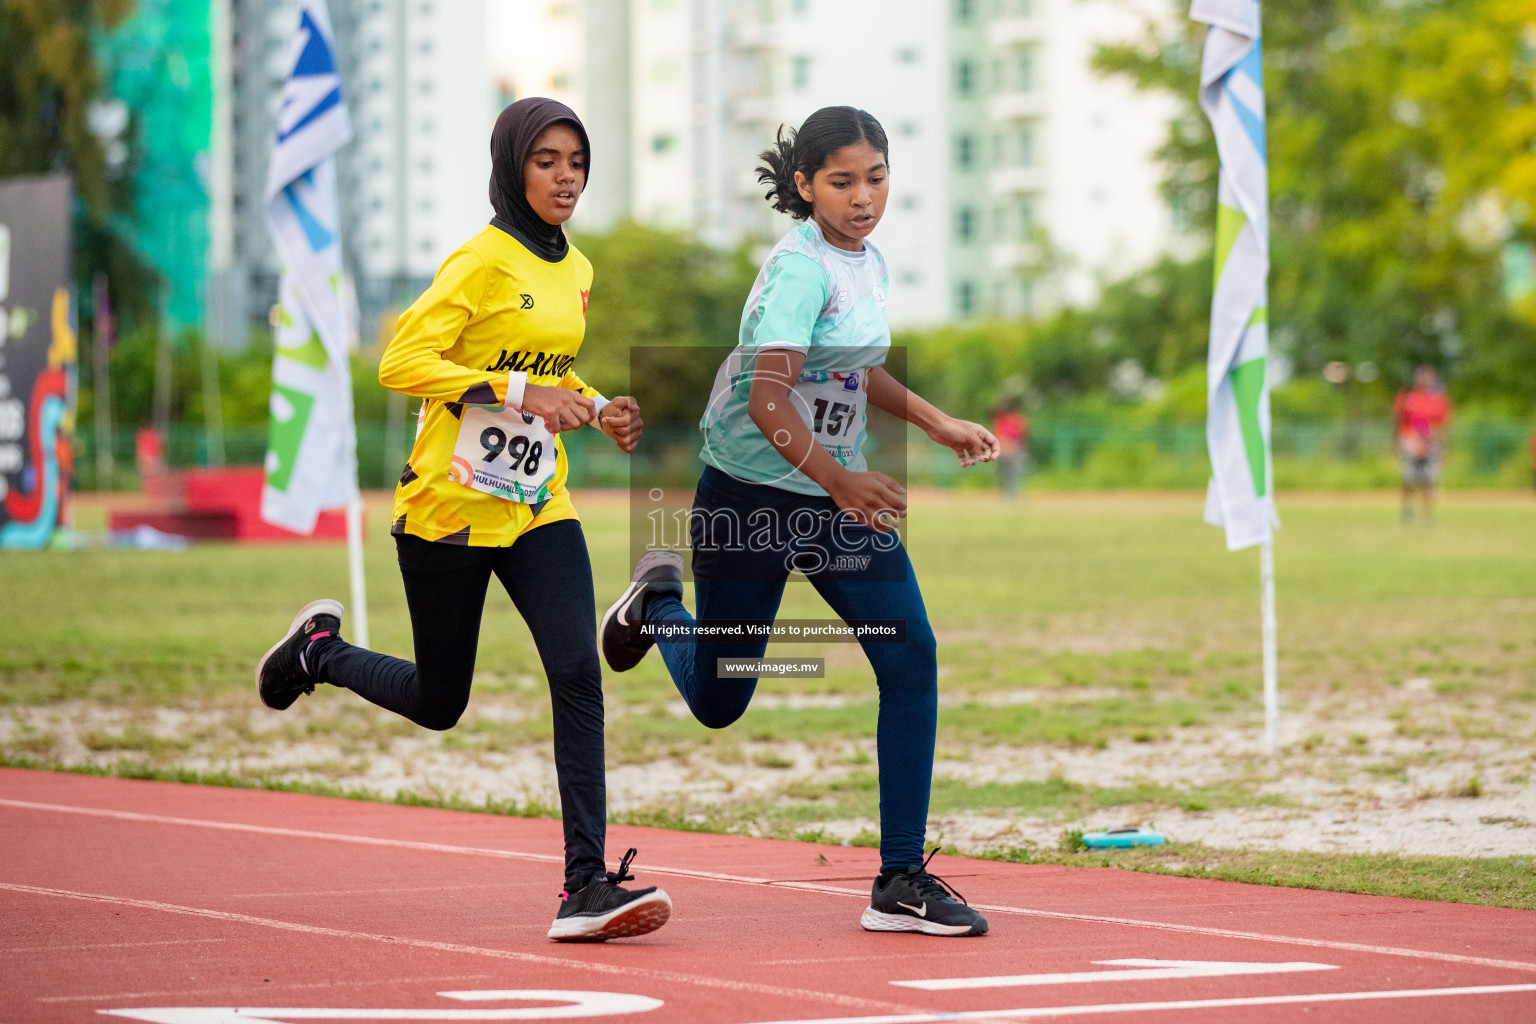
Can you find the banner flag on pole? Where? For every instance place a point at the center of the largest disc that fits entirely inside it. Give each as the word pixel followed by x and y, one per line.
pixel 1241 493
pixel 312 447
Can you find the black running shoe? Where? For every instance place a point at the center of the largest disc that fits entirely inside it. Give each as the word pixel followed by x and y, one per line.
pixel 282 677
pixel 657 572
pixel 915 901
pixel 600 910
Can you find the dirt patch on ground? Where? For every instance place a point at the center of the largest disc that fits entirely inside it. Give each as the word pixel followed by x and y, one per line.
pixel 1451 778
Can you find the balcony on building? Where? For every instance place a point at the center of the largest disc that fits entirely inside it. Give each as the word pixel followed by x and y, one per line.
pixel 758 109
pixel 1015 30
pixel 755 35
pixel 1011 106
pixel 1008 256
pixel 1006 181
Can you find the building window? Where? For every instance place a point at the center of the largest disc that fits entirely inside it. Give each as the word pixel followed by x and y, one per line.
pixel 965 224
pixel 1024 73
pixel 909 129
pixel 800 72
pixel 965 78
pixel 910 202
pixel 1025 213
pixel 1024 146
pixel 965 10
pixel 662 144
pixel 801 7
pixel 908 55
pixel 965 152
pixel 965 299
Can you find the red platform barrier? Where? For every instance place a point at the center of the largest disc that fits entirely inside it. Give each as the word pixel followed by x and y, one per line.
pixel 219 504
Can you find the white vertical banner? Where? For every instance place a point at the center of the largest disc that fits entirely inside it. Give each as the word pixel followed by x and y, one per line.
pixel 312 448
pixel 1240 497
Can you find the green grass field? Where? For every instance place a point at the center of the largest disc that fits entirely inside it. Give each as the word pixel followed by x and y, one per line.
pixel 1080 624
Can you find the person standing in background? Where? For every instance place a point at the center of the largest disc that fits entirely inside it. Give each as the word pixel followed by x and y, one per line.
pixel 1420 416
pixel 1011 428
pixel 1533 459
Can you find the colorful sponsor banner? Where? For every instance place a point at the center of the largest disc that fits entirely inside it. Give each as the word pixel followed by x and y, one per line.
pixel 38 371
pixel 312 446
pixel 1241 493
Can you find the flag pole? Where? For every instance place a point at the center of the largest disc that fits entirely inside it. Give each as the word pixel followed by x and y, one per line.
pixel 1241 494
pixel 1271 668
pixel 359 614
pixel 312 448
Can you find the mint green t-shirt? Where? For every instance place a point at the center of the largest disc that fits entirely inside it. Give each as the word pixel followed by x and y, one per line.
pixel 811 297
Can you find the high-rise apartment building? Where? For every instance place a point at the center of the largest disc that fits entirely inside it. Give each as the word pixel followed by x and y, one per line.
pixel 414 181
pixel 1020 179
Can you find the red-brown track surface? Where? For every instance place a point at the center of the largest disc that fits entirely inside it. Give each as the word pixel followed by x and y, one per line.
pixel 195 905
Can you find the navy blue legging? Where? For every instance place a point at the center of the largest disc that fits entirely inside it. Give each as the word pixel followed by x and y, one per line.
pixel 746 537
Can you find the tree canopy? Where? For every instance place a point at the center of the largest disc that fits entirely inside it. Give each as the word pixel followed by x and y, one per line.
pixel 1402 159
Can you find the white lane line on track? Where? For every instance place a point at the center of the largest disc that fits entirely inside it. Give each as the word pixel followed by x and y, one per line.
pixel 102 945
pixel 288 893
pixel 672 977
pixel 1060 915
pixel 182 993
pixel 1027 1012
pixel 1141 970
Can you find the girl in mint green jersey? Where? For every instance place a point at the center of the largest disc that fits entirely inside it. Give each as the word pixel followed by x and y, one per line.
pixel 786 488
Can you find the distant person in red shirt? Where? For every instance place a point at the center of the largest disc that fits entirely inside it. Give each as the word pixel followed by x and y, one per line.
pixel 1420 417
pixel 1533 458
pixel 1011 427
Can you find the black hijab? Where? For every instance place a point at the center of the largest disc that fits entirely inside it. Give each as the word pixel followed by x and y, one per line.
pixel 511 142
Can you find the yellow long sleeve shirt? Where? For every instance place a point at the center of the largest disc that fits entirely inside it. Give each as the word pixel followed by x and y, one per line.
pixel 495 318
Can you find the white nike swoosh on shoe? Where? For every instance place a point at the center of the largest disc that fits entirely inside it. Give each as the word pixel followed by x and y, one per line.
pixel 624 603
pixel 921 910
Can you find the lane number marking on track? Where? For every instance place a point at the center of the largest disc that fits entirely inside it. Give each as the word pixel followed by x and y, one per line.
pixel 577 1004
pixel 1149 970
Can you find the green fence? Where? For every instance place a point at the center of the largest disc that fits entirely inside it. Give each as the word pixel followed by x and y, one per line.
pixel 1063 453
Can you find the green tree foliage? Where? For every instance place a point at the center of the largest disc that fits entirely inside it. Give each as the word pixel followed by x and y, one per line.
pixel 1401 162
pixel 651 288
pixel 654 289
pixel 48 81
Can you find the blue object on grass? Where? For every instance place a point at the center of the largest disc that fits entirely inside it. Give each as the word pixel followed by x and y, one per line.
pixel 1120 837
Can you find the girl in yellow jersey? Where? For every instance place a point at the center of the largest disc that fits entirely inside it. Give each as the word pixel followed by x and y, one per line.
pixel 490 348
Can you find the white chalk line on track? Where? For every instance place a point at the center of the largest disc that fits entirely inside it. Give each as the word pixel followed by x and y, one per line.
pixel 1025 1013
pixel 183 993
pixel 81 946
pixel 673 977
pixel 713 876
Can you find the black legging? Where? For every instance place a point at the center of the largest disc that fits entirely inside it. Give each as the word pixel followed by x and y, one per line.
pixel 548 575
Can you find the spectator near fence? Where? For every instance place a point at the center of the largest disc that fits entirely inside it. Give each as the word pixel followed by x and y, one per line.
pixel 1533 459
pixel 1011 427
pixel 1420 415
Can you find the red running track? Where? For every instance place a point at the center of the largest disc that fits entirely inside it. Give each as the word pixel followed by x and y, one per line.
pixel 173 904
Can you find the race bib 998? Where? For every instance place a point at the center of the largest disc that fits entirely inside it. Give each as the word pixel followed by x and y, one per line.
pixel 505 453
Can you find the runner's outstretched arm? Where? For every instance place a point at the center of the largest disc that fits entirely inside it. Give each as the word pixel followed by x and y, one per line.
pixel 972 442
